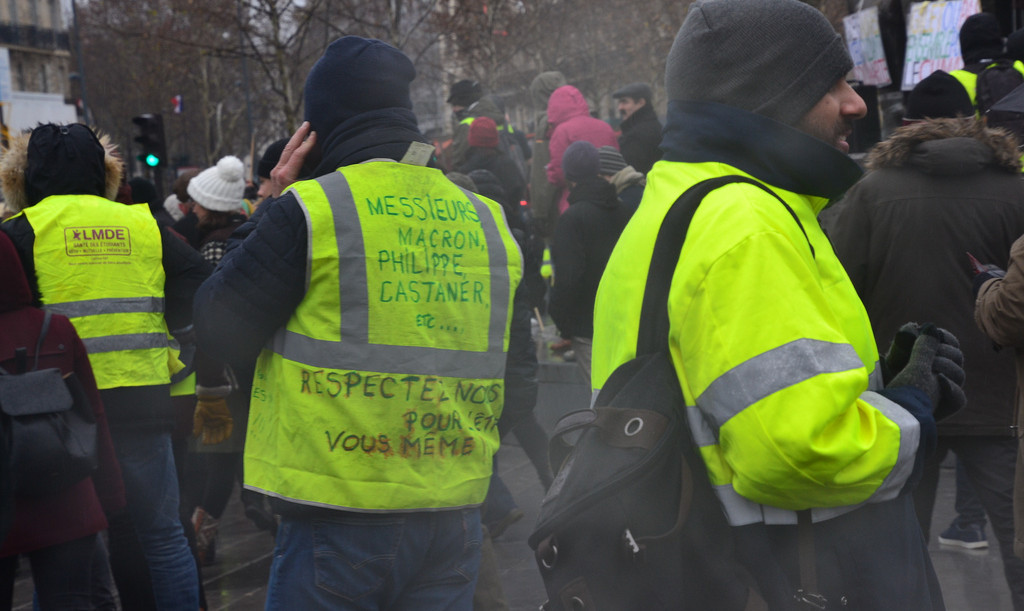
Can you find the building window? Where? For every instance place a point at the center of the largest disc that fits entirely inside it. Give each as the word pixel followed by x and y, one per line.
pixel 19 75
pixel 44 84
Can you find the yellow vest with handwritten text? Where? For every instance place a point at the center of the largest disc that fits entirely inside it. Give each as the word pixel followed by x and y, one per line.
pixel 383 391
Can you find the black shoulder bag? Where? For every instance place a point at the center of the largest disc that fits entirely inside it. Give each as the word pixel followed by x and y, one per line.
pixel 631 520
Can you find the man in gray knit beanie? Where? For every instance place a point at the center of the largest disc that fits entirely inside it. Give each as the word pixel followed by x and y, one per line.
pixel 776 59
pixel 785 390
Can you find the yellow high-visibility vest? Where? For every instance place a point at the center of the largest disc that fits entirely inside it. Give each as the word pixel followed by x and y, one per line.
pixel 100 263
pixel 772 347
pixel 383 391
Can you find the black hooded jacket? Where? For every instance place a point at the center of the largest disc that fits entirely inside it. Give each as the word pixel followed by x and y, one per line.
pixel 583 241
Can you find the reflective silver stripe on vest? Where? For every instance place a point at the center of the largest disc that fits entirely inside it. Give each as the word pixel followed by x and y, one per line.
pixel 354 350
pixel 113 305
pixel 132 341
pixel 772 371
pixel 388 359
pixel 499 273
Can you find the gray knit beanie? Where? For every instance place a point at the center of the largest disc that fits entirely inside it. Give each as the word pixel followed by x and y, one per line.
pixel 776 58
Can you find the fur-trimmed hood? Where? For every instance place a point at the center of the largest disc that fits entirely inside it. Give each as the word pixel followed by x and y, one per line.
pixel 947 146
pixel 14 164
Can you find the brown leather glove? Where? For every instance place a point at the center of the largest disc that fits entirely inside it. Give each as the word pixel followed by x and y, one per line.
pixel 212 420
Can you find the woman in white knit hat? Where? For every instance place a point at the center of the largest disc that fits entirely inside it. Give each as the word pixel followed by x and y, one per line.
pixel 221 410
pixel 218 193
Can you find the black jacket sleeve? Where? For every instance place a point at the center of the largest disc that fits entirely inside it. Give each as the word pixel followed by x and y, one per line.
pixel 569 260
pixel 258 284
pixel 185 270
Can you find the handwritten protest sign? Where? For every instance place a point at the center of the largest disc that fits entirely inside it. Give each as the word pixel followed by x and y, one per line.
pixel 864 40
pixel 933 38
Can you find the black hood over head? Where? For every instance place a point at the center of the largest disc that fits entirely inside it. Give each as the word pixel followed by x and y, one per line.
pixel 64 160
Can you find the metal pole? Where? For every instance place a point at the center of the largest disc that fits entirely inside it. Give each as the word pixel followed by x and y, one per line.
pixel 81 64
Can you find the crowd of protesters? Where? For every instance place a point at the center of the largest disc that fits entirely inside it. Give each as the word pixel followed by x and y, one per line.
pixel 345 335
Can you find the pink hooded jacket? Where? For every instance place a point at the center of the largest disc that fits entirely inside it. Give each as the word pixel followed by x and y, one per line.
pixel 569 119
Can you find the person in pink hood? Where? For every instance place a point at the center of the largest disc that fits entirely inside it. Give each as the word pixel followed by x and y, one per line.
pixel 570 121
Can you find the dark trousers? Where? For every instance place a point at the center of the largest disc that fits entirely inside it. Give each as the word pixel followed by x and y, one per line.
pixel 62 575
pixel 990 464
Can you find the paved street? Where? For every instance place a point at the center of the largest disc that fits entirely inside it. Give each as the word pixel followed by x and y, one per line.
pixel 971 581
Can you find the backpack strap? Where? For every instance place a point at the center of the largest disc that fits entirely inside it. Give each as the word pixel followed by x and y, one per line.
pixel 654 324
pixel 42 336
pixel 39 344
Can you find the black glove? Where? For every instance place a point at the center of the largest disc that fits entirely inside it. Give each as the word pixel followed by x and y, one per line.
pixel 935 366
pixel 899 351
pixel 949 367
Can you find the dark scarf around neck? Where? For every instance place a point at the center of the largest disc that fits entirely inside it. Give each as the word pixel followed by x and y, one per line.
pixel 770 151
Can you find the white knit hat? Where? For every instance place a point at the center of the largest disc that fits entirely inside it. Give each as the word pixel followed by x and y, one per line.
pixel 221 187
pixel 173 207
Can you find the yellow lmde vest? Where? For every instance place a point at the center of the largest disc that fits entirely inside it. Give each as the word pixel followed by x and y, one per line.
pixel 383 391
pixel 99 263
pixel 772 347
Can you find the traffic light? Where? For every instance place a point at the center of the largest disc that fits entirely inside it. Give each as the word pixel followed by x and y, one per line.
pixel 151 140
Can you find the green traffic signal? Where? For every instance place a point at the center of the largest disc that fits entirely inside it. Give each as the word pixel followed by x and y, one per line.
pixel 150 139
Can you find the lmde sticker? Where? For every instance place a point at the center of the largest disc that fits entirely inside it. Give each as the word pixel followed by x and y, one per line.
pixel 92 241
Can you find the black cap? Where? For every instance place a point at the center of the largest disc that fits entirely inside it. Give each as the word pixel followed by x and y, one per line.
pixel 938 96
pixel 1015 45
pixel 981 38
pixel 636 91
pixel 465 93
pixel 64 160
pixel 270 158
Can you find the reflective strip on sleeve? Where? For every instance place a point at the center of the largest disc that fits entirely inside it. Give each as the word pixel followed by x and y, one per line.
pixel 772 371
pixel 133 341
pixel 910 439
pixel 875 381
pixel 741 511
pixel 702 433
pixel 114 305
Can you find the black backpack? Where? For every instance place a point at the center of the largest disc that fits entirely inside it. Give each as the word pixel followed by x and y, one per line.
pixel 994 83
pixel 631 520
pixel 48 424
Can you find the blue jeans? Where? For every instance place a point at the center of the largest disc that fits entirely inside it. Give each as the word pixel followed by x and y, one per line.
pixel 151 489
pixel 395 561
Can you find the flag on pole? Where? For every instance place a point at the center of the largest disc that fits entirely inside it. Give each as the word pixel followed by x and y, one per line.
pixel 176 102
